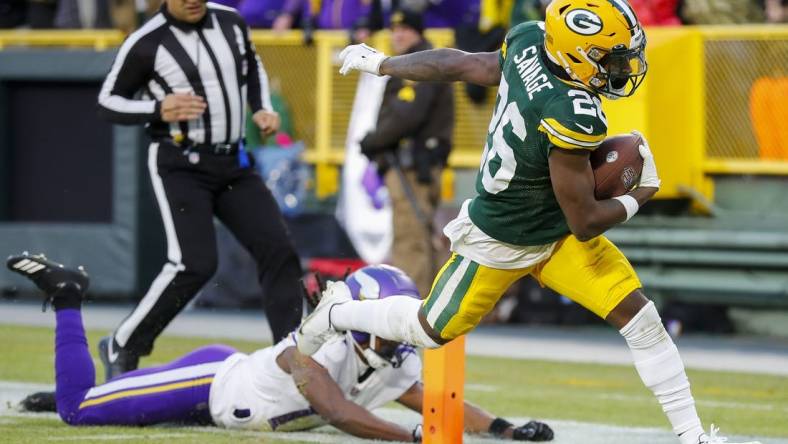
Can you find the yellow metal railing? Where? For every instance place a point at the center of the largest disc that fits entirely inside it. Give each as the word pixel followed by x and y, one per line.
pixel 694 106
pixel 98 40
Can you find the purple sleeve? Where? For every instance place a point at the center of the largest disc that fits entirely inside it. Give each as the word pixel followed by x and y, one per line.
pixel 294 7
pixel 260 13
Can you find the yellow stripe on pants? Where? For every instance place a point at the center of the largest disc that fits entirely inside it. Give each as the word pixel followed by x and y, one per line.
pixel 146 391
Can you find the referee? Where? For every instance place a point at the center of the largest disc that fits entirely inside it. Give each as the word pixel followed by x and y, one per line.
pixel 198 71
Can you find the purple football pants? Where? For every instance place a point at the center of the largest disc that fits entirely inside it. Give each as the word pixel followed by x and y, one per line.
pixel 176 392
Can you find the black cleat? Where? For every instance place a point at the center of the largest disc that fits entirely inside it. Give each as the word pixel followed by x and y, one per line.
pixel 115 359
pixel 39 402
pixel 49 276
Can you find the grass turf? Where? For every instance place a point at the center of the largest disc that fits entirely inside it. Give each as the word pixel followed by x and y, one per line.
pixel 742 403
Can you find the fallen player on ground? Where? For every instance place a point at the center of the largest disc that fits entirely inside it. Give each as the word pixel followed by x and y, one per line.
pixel 276 388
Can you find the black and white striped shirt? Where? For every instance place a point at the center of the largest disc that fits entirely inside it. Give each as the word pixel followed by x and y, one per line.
pixel 214 58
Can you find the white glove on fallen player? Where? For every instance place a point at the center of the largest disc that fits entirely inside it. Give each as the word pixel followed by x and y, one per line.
pixel 648 177
pixel 361 57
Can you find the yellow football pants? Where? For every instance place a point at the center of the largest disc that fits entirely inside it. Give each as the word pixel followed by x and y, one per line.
pixel 595 274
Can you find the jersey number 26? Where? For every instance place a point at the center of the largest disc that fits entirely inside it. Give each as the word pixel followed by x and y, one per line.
pixel 505 113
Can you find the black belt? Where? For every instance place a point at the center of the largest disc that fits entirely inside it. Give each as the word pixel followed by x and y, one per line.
pixel 219 149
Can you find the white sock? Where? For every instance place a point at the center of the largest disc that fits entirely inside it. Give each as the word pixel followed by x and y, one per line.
pixel 660 367
pixel 395 318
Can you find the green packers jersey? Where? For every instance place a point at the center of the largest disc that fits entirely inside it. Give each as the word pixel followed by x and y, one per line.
pixel 534 111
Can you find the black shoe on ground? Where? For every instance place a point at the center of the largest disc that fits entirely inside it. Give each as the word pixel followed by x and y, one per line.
pixel 50 276
pixel 39 402
pixel 116 360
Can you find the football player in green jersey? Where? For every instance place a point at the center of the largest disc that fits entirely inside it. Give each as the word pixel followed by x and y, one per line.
pixel 535 212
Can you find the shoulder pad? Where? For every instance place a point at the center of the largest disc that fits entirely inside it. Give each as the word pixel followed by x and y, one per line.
pixel 574 119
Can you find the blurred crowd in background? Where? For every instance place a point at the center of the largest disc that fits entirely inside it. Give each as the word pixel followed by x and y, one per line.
pixel 478 25
pixel 362 17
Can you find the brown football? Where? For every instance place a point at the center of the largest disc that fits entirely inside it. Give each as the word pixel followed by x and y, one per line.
pixel 617 165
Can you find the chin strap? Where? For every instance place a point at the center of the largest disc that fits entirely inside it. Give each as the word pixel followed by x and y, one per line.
pixel 373 359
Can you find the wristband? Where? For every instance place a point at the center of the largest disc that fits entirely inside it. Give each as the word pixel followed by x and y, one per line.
pixel 630 204
pixel 377 68
pixel 498 426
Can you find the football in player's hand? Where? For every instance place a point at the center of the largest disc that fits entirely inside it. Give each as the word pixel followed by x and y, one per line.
pixel 617 165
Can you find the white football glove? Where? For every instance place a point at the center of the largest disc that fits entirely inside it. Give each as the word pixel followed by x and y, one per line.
pixel 361 57
pixel 648 177
pixel 338 288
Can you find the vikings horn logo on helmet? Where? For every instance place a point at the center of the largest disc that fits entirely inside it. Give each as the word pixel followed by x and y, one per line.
pixel 369 286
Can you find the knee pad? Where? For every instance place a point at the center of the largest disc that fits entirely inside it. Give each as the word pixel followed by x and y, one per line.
pixel 645 329
pixel 656 357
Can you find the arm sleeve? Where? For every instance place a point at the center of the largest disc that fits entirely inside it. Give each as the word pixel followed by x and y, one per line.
pixel 574 121
pixel 404 114
pixel 258 93
pixel 129 73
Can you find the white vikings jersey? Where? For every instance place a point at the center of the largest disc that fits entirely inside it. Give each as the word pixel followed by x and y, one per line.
pixel 253 392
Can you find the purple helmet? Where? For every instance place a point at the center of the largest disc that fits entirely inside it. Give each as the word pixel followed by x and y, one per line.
pixel 378 282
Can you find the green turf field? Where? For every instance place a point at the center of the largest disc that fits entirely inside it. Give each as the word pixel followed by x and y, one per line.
pixel 606 394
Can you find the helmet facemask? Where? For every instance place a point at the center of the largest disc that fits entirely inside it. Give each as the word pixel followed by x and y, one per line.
pixel 620 71
pixel 381 353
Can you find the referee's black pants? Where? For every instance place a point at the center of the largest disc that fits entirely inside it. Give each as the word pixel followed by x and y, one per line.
pixel 190 190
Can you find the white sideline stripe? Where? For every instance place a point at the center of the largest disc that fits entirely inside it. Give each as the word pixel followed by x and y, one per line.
pixel 448 291
pixel 481 388
pixel 178 374
pixel 708 403
pixel 170 269
pixel 32 386
pixel 117 437
pixel 567 431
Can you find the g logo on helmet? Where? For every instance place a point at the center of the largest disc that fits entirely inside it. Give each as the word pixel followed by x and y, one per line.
pixel 583 21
